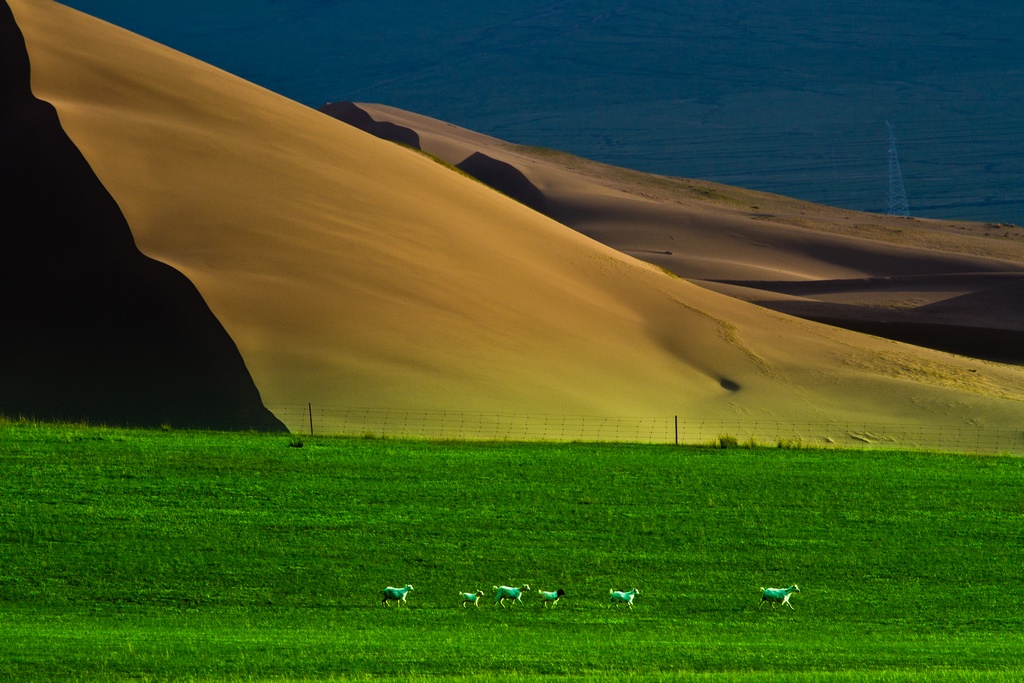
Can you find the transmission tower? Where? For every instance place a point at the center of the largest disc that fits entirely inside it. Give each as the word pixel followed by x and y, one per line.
pixel 897 193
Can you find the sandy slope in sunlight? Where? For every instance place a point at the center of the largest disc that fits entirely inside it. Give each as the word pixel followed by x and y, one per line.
pixel 353 272
pixel 941 284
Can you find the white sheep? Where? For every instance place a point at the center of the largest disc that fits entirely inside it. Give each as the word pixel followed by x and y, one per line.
pixel 622 597
pixel 503 593
pixel 551 597
pixel 471 597
pixel 777 595
pixel 398 595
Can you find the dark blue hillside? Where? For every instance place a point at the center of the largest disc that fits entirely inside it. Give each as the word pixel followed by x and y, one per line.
pixel 791 99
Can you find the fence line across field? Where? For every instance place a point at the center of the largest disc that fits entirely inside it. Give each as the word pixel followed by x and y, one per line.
pixel 464 425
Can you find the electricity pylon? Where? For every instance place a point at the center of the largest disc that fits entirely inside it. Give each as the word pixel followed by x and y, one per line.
pixel 897 193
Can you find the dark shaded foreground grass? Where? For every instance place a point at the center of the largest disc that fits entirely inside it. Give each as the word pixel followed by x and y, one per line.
pixel 147 555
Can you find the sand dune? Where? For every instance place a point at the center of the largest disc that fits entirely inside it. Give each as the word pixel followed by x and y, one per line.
pixel 93 329
pixel 880 269
pixel 353 272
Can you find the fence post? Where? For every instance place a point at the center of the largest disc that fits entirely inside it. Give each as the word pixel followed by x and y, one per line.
pixel 676 420
pixel 311 419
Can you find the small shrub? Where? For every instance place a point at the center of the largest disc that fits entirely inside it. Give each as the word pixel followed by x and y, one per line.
pixel 727 441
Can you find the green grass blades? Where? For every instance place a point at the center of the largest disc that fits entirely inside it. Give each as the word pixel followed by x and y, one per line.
pixel 163 555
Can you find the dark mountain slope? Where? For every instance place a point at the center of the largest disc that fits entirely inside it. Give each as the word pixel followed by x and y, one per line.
pixel 93 329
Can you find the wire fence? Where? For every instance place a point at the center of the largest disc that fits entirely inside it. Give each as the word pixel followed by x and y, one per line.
pixel 462 425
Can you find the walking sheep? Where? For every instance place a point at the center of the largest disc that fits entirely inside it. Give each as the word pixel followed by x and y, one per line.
pixel 777 595
pixel 550 597
pixel 503 593
pixel 622 597
pixel 398 595
pixel 471 597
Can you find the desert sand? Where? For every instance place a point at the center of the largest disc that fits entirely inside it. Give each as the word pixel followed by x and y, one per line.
pixel 350 271
pixel 95 330
pixel 941 284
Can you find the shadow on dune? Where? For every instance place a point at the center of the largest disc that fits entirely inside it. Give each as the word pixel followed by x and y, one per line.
pixel 501 176
pixel 357 118
pixel 1001 346
pixel 504 178
pixel 94 330
pixel 985 323
pixel 1001 302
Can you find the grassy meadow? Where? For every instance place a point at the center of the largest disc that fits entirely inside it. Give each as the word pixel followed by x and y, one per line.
pixel 166 555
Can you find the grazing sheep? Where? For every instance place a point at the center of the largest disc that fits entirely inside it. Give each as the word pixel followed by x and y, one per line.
pixel 619 597
pixel 398 595
pixel 550 597
pixel 776 595
pixel 503 593
pixel 471 597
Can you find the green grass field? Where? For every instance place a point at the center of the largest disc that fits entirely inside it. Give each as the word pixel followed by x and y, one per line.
pixel 148 555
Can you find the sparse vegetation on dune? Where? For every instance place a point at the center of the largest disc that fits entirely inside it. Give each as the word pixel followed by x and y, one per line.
pixel 168 555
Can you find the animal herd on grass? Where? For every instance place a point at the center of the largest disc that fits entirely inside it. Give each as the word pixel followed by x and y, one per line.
pixel 514 594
